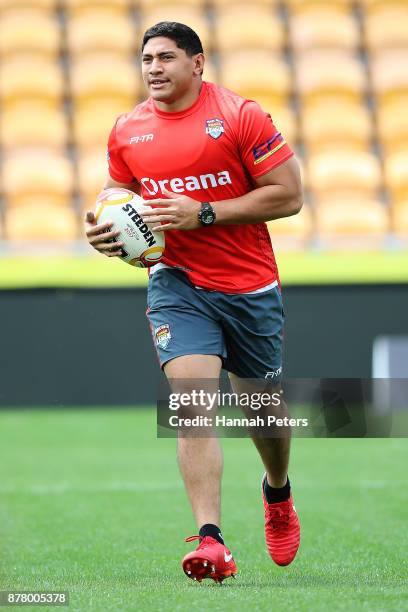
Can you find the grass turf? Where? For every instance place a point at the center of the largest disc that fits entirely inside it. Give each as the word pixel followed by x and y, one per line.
pixel 92 503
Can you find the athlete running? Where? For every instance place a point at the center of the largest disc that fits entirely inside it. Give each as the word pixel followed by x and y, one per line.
pixel 217 169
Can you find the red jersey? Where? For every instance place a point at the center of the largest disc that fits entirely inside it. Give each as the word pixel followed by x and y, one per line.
pixel 211 151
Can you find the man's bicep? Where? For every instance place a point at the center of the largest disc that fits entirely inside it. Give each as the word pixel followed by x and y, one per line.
pixel 286 174
pixel 133 186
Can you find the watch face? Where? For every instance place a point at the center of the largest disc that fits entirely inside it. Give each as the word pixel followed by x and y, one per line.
pixel 207 217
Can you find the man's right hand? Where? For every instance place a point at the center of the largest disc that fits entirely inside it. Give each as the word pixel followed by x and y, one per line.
pixel 99 236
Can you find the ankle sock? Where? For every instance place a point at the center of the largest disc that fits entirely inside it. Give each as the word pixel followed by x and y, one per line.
pixel 275 495
pixel 211 530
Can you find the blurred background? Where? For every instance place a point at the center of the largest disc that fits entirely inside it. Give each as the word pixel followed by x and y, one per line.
pixel 334 77
pixel 333 74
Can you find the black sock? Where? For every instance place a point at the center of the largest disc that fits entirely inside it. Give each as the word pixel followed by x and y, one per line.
pixel 274 495
pixel 211 530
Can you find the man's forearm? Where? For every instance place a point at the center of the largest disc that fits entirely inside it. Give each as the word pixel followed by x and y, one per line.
pixel 261 204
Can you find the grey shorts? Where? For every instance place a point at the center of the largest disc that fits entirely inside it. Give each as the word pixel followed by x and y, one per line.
pixel 245 330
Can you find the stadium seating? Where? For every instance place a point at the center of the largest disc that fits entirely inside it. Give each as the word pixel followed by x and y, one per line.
pixel 89 82
pixel 29 31
pixel 43 5
pixel 389 74
pixel 31 79
pixel 396 174
pixel 351 222
pixel 75 7
pixel 293 232
pixel 93 31
pixel 92 123
pixel 304 6
pixel 255 74
pixel 41 222
pixel 30 125
pixel 329 74
pixel 392 124
pixel 385 26
pixel 334 126
pixel 323 28
pixel 194 17
pixel 356 171
pixel 149 4
pixel 316 95
pixel 39 174
pixel 92 172
pixel 266 31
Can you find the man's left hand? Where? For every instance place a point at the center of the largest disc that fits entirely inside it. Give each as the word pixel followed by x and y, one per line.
pixel 176 212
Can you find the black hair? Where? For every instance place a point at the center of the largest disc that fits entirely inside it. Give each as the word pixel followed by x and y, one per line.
pixel 184 37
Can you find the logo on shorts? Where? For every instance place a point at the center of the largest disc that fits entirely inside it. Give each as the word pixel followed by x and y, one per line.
pixel 214 127
pixel 163 335
pixel 274 374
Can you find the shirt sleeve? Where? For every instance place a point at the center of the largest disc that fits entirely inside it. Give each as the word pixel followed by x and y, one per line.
pixel 118 168
pixel 262 146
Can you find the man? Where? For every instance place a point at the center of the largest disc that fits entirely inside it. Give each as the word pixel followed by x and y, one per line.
pixel 217 169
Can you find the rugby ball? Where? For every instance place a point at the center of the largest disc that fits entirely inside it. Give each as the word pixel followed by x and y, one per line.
pixel 142 247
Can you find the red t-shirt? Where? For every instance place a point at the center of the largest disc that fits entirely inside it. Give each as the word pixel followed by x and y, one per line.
pixel 211 151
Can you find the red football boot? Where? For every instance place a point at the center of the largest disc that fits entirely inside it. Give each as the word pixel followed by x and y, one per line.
pixel 209 560
pixel 282 530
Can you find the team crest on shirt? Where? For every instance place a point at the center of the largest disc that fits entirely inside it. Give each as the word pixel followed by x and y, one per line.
pixel 214 127
pixel 163 335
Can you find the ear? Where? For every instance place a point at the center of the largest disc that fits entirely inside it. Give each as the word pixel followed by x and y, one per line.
pixel 199 62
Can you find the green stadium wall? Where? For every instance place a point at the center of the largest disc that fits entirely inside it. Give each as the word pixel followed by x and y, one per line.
pixel 84 347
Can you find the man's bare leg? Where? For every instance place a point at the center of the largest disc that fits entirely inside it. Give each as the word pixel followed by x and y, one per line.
pixel 274 452
pixel 200 459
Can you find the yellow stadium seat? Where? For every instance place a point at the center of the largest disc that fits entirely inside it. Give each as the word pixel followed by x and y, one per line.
pixel 248 27
pixel 399 216
pixel 89 79
pixel 41 222
pixel 324 28
pixel 147 5
pixel 389 74
pixel 31 79
pixel 331 73
pixel 255 74
pixel 304 6
pixel 28 124
pixel 396 174
pixel 92 172
pixel 292 233
pixel 392 124
pixel 75 7
pixel 193 17
pixel 352 222
pixel 336 126
pixel 36 172
pixel 100 31
pixel 43 5
pixel 386 27
pixel 355 171
pixel 92 123
pixel 29 31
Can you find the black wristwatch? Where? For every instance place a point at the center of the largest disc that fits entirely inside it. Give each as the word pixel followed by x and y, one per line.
pixel 206 216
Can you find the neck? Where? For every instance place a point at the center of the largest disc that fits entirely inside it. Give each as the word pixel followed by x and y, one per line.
pixel 181 103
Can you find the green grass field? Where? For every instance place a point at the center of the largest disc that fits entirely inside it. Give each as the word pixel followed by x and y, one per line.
pixel 91 502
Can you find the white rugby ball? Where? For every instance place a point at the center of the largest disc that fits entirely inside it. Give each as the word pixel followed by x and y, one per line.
pixel 142 247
